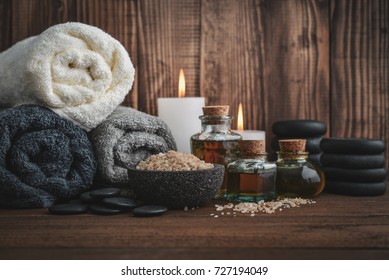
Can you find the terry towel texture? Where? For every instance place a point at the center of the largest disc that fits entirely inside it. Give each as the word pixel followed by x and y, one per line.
pixel 43 158
pixel 77 70
pixel 124 139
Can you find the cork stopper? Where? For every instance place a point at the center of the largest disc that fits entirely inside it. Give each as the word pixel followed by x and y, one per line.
pixel 252 147
pixel 292 145
pixel 221 110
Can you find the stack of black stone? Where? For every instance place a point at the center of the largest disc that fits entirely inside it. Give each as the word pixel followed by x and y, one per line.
pixel 354 166
pixel 310 130
pixel 106 201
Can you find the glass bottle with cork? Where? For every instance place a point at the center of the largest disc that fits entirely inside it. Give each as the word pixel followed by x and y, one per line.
pixel 297 177
pixel 250 178
pixel 216 142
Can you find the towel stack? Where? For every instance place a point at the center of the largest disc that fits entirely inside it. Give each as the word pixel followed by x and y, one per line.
pixel 354 166
pixel 82 74
pixel 310 130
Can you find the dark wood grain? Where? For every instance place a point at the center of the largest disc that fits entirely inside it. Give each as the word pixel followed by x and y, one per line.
pixel 169 39
pixel 273 56
pixel 5 25
pixel 336 227
pixel 359 69
pixel 297 55
pixel 232 58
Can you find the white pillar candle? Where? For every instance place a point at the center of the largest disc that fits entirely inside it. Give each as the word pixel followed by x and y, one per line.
pixel 182 117
pixel 248 134
pixel 252 134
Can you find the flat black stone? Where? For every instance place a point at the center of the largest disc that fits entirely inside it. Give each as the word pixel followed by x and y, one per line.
pixel 299 128
pixel 87 198
pixel 356 189
pixel 100 209
pixel 76 201
pixel 352 146
pixel 67 209
pixel 355 175
pixel 149 210
pixel 120 202
pixel 106 192
pixel 352 161
pixel 315 158
pixel 312 144
pixel 100 184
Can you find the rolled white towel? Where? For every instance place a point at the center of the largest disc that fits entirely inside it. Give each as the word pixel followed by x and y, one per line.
pixel 77 70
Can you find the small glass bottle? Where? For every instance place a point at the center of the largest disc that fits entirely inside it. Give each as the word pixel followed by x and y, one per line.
pixel 297 177
pixel 250 178
pixel 216 142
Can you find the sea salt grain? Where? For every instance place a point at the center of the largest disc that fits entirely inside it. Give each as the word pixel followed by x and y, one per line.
pixel 269 207
pixel 173 161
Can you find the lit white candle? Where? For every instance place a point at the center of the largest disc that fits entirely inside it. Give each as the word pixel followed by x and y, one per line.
pixel 248 134
pixel 182 115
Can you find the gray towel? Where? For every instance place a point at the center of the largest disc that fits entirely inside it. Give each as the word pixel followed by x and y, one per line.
pixel 124 139
pixel 43 158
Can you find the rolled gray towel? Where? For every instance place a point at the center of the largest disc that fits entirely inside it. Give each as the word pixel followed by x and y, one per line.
pixel 43 158
pixel 126 138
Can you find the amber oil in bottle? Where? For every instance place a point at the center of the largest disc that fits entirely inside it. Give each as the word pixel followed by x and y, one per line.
pixel 250 178
pixel 216 143
pixel 297 177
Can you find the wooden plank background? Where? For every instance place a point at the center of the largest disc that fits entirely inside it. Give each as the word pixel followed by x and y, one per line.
pixel 321 59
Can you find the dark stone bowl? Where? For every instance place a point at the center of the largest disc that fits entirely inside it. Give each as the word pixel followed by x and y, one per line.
pixel 176 189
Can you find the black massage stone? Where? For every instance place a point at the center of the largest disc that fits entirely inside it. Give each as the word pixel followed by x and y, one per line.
pixel 106 192
pixel 353 161
pixel 315 158
pixel 100 209
pixel 356 189
pixel 149 210
pixel 352 146
pixel 67 209
pixel 76 201
pixel 355 175
pixel 299 128
pixel 87 198
pixel 120 202
pixel 312 144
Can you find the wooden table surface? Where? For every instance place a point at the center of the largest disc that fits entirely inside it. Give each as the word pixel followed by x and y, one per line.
pixel 336 227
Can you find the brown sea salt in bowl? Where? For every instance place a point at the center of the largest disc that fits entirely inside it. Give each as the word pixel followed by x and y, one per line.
pixel 177 189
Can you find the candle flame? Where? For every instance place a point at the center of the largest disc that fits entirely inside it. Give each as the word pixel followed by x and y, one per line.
pixel 181 84
pixel 240 117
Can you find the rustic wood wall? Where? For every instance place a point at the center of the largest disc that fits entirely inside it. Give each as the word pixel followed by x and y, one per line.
pixel 284 59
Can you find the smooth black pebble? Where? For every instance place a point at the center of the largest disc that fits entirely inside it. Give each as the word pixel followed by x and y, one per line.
pixel 352 146
pixel 353 161
pixel 103 210
pixel 355 189
pixel 355 175
pixel 106 192
pixel 299 128
pixel 76 201
pixel 120 202
pixel 67 209
pixel 87 198
pixel 315 158
pixel 312 144
pixel 149 210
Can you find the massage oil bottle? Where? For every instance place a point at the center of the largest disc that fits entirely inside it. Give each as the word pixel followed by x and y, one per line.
pixel 216 143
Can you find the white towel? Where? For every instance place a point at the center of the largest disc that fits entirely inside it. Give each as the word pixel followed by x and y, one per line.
pixel 77 70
